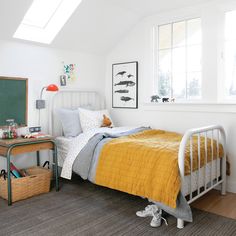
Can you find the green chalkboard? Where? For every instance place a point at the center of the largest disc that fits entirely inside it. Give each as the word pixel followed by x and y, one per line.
pixel 13 100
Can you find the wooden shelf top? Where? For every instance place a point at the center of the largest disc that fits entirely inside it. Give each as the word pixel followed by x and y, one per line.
pixel 10 142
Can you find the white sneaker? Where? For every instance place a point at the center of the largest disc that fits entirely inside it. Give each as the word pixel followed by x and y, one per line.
pixel 156 219
pixel 148 211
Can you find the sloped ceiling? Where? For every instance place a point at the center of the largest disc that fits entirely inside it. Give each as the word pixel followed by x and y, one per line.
pixel 96 26
pixel 11 14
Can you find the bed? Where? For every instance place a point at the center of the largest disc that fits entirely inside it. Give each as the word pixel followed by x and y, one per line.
pixel 194 185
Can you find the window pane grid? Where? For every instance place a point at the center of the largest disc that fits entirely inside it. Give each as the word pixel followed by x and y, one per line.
pixel 230 56
pixel 174 78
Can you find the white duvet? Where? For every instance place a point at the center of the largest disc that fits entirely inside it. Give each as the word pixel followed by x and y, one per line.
pixel 79 142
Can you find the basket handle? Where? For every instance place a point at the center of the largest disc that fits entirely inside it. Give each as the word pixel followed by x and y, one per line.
pixel 46 163
pixel 32 176
pixel 3 173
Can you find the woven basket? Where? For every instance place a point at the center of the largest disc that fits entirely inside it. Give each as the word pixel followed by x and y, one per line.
pixel 36 183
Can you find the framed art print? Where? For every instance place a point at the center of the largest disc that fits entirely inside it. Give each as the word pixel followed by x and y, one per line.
pixel 125 85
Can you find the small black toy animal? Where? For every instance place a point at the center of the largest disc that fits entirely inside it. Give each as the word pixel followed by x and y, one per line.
pixel 165 99
pixel 155 98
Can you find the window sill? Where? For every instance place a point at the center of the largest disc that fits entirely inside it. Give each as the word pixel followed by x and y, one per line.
pixel 209 107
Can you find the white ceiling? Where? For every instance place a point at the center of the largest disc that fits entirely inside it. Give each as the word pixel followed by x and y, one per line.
pixel 96 26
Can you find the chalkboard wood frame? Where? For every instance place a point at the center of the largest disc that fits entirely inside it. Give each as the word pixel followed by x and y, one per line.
pixel 25 123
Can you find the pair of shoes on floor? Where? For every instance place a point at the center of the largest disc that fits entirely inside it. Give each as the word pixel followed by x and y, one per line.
pixel 148 211
pixel 156 219
pixel 155 212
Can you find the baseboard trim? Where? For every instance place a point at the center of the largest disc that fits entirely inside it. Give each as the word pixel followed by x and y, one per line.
pixel 231 186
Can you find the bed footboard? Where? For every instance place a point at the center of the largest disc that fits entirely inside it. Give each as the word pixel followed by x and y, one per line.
pixel 214 132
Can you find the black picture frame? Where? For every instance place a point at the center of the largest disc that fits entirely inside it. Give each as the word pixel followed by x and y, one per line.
pixel 125 85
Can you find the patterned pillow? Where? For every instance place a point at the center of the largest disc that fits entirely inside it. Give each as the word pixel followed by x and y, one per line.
pixel 92 119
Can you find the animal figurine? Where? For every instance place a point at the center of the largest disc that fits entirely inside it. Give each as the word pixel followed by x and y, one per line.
pixel 155 98
pixel 165 100
pixel 106 122
pixel 172 100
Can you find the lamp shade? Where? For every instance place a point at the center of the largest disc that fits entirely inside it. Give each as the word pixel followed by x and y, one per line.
pixel 52 88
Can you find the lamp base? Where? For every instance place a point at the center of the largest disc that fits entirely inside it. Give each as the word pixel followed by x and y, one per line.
pixel 40 104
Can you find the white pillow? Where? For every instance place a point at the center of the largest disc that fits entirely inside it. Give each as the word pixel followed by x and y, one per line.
pixel 92 119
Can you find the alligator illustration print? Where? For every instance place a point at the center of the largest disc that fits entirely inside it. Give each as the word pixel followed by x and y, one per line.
pixel 122 91
pixel 126 82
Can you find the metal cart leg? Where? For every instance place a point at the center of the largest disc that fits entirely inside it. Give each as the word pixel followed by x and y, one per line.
pixel 38 158
pixel 55 167
pixel 9 178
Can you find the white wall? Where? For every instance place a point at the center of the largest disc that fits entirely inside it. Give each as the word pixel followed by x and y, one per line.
pixel 43 66
pixel 138 46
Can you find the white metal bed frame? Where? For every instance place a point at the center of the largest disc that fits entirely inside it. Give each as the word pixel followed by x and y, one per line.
pixel 76 98
pixel 71 99
pixel 216 132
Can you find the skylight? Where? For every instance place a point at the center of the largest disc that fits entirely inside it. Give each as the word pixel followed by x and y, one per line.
pixel 44 20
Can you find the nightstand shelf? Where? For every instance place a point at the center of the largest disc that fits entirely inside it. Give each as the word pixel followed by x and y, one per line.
pixel 11 147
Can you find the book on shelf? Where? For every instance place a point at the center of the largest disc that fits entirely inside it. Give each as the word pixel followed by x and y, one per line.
pixel 40 135
pixel 37 135
pixel 15 172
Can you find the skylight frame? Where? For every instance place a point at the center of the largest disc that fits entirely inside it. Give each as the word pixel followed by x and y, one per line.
pixel 50 26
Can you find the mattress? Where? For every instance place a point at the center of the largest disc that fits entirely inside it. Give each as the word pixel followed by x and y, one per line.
pixel 63 145
pixel 209 171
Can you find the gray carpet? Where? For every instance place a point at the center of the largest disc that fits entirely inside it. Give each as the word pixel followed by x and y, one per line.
pixel 81 208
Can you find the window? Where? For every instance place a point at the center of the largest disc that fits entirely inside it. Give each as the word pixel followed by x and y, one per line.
pixel 179 60
pixel 230 55
pixel 44 20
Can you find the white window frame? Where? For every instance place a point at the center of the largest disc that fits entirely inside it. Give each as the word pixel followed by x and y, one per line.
pixel 223 95
pixel 212 79
pixel 156 51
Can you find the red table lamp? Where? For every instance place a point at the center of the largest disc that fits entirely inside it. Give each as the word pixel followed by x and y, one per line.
pixel 52 88
pixel 40 103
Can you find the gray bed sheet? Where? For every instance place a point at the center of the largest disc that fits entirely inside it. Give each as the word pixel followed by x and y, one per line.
pixel 87 160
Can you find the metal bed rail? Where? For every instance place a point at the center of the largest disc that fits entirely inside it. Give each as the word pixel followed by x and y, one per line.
pixel 214 134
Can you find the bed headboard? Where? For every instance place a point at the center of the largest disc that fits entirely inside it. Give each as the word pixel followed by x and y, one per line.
pixel 71 99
